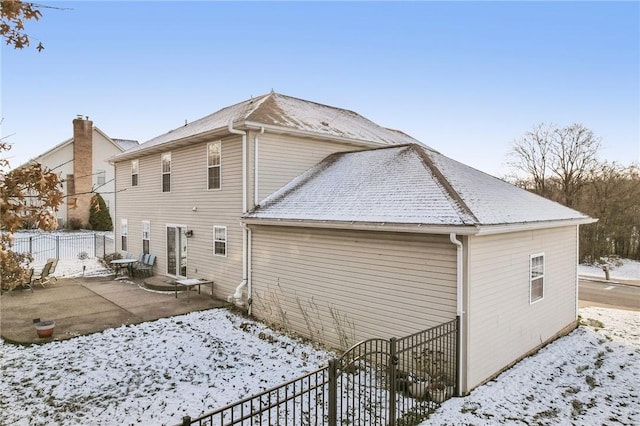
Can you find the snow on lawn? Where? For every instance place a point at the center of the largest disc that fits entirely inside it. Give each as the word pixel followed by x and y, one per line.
pixel 590 377
pixel 150 373
pixel 156 372
pixel 624 269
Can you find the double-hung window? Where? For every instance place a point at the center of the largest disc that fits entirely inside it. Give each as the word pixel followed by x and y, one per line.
pixel 134 172
pixel 124 233
pixel 146 236
pixel 220 240
pixel 100 177
pixel 166 172
pixel 536 280
pixel 214 158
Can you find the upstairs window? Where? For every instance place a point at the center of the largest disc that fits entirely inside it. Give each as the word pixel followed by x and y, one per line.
pixel 100 177
pixel 146 236
pixel 220 240
pixel 213 165
pixel 166 172
pixel 124 233
pixel 536 281
pixel 134 172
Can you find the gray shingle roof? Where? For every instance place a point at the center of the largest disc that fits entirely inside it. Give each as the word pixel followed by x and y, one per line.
pixel 286 112
pixel 407 184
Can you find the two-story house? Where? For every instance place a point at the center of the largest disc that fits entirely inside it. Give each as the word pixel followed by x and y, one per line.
pixel 301 212
pixel 81 162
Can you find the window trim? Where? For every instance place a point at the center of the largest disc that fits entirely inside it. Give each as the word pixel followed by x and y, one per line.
pixel 163 173
pixel 146 232
pixel 135 172
pixel 218 166
pixel 225 241
pixel 101 177
pixel 537 277
pixel 124 234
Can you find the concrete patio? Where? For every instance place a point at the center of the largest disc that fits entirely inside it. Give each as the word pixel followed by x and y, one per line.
pixel 88 305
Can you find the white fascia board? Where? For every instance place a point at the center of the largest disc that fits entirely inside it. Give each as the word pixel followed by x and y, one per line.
pixel 531 226
pixel 477 230
pixel 365 226
pixel 168 145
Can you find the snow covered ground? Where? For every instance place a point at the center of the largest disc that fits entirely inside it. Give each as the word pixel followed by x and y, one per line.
pixel 590 377
pixel 625 269
pixel 150 373
pixel 156 372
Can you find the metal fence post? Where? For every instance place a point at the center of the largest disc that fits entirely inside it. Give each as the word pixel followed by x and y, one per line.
pixel 30 244
pixel 333 392
pixel 393 365
pixel 57 246
pixel 186 421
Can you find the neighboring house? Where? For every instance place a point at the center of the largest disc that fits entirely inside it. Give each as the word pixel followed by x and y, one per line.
pixel 320 220
pixel 81 162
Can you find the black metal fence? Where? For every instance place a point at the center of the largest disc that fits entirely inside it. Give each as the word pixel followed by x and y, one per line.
pixel 45 246
pixel 376 382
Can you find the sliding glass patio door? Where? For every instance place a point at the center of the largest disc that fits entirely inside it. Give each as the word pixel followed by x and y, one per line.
pixel 177 250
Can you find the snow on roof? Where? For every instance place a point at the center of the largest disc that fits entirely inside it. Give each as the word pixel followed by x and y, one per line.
pixel 274 109
pixel 126 144
pixel 407 184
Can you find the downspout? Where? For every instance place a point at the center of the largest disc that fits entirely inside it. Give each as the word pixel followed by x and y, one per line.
pixel 255 167
pixel 237 296
pixel 249 291
pixel 459 304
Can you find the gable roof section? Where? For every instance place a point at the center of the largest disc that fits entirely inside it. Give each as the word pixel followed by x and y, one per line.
pixel 406 185
pixel 280 113
pixel 121 144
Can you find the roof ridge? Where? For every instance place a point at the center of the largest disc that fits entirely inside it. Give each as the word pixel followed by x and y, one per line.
pixel 442 180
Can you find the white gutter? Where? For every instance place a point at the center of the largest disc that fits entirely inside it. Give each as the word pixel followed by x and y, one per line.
pixel 244 205
pixel 459 305
pixel 255 167
pixel 365 226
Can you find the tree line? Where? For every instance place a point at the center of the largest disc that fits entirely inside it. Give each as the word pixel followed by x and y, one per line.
pixel 561 164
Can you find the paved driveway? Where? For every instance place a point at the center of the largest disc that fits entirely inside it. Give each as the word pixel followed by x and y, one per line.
pixel 88 305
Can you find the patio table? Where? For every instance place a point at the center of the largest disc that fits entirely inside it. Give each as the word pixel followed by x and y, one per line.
pixel 120 264
pixel 191 282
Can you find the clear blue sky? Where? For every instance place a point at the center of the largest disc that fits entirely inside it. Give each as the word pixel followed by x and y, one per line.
pixel 466 78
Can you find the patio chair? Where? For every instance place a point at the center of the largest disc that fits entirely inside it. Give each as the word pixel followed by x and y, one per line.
pixel 54 263
pixel 45 276
pixel 27 279
pixel 146 268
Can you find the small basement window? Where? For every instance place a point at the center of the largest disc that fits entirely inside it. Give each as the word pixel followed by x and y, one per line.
pixel 536 280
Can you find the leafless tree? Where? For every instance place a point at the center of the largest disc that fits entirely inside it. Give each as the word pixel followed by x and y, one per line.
pixel 530 154
pixel 556 159
pixel 574 155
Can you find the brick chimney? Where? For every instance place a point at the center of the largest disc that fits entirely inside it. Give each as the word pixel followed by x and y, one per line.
pixel 79 202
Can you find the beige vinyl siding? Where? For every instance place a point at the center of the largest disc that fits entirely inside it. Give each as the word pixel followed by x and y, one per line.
pixel 384 284
pixel 502 324
pixel 282 158
pixel 188 190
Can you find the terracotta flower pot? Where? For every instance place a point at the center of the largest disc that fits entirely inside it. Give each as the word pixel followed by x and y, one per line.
pixel 45 328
